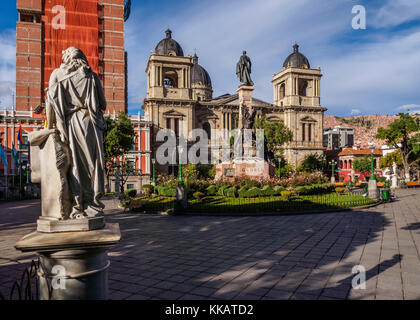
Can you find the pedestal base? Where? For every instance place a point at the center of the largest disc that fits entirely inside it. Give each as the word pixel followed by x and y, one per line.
pixel 45 224
pixel 238 168
pixel 73 265
pixel 181 196
pixel 373 192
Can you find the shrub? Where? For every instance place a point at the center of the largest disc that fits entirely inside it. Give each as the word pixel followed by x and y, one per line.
pixel 198 195
pixel 166 191
pixel 130 193
pixel 252 193
pixel 381 179
pixel 230 192
pixel 221 191
pixel 267 191
pixel 286 195
pixel 148 189
pixel 211 190
pixel 278 190
pixel 340 190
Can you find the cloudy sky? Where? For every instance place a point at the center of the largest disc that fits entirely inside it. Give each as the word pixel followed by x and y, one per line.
pixel 372 71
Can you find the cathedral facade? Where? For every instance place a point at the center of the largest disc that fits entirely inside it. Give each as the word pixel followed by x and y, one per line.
pixel 180 98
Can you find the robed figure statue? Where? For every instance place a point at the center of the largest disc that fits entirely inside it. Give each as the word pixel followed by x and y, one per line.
pixel 74 105
pixel 243 70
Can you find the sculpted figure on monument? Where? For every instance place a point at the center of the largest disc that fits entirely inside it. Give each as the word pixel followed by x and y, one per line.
pixel 243 70
pixel 248 117
pixel 74 105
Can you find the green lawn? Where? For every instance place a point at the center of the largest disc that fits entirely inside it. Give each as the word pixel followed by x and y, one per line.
pixel 219 204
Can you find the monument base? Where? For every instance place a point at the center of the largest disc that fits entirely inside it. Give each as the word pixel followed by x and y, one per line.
pixel 73 265
pixel 244 167
pixel 373 192
pixel 47 224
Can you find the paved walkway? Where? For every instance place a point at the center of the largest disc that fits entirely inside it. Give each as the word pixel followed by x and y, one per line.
pixel 283 257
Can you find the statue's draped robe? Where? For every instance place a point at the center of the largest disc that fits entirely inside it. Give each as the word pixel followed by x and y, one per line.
pixel 78 101
pixel 243 70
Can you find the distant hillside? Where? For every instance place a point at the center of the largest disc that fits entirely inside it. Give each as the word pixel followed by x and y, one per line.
pixel 365 127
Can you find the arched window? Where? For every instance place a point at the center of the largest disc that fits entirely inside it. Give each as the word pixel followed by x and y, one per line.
pixel 170 79
pixel 207 129
pixel 282 91
pixel 303 87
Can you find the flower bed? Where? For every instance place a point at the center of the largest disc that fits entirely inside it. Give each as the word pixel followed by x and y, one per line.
pixel 273 204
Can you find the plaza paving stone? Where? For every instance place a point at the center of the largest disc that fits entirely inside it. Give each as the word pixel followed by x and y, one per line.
pixel 307 256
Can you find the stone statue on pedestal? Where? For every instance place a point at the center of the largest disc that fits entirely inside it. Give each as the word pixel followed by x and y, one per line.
pixel 243 70
pixel 74 106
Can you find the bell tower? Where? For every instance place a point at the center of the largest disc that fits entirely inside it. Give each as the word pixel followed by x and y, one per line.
pixel 297 92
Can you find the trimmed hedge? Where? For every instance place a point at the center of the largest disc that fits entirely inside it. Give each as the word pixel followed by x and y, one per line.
pixel 166 191
pixel 251 193
pixel 198 195
pixel 211 190
pixel 315 189
pixel 148 189
pixel 267 191
pixel 230 192
pixel 130 193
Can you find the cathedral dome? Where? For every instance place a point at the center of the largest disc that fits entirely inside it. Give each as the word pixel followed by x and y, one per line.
pixel 296 59
pixel 199 74
pixel 169 46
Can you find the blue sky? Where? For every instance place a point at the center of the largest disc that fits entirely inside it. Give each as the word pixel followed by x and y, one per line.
pixel 372 71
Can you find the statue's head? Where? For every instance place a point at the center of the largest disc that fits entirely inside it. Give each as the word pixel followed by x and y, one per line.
pixel 244 52
pixel 73 59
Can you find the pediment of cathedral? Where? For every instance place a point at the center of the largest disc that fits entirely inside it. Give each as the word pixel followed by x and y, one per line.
pixel 173 114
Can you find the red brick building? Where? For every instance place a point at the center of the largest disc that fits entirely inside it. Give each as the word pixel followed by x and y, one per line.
pixel 46 27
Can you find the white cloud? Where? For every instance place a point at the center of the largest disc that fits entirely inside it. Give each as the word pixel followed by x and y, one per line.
pixel 220 30
pixel 7 67
pixel 355 111
pixel 409 107
pixel 395 12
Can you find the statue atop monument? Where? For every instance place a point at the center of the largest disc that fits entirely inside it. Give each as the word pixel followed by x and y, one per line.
pixel 243 70
pixel 72 188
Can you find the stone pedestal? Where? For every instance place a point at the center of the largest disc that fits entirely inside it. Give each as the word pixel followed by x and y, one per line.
pixel 241 167
pixel 373 192
pixel 181 196
pixel 48 224
pixel 73 265
pixel 245 101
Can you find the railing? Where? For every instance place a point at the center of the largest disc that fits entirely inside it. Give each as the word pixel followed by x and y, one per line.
pixel 270 204
pixel 27 287
pixel 277 205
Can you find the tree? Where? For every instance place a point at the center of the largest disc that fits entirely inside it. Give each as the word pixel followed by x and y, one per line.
pixel 362 164
pixel 404 134
pixel 312 163
pixel 276 133
pixel 389 160
pixel 124 172
pixel 118 139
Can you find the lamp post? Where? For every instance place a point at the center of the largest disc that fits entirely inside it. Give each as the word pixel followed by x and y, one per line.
pixel 372 187
pixel 332 163
pixel 153 171
pixel 180 181
pixel 372 170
